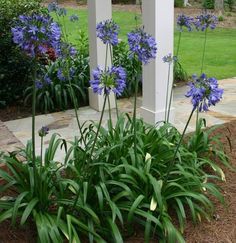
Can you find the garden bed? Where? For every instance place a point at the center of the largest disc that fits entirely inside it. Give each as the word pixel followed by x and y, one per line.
pixel 222 228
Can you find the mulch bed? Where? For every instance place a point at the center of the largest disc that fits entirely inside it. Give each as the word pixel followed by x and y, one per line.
pixel 222 228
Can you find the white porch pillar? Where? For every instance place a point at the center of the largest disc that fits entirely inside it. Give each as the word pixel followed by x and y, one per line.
pixel 98 10
pixel 158 20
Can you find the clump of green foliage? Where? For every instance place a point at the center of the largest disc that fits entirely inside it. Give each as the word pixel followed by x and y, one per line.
pixel 15 67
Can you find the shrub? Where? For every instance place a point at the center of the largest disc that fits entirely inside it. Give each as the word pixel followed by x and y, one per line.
pixel 179 3
pixel 14 66
pixel 208 4
pixel 122 58
pixel 221 18
pixel 230 4
pixel 56 94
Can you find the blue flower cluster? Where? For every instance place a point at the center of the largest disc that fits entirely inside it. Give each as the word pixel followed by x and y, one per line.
pixel 107 31
pixel 63 75
pixel 112 79
pixel 46 80
pixel 43 131
pixel 67 50
pixel 169 58
pixel 143 45
pixel 35 34
pixel 204 92
pixel 54 7
pixel 74 18
pixel 185 21
pixel 204 21
pixel 201 22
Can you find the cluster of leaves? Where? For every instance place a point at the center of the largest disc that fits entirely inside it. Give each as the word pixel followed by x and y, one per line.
pixel 57 94
pixel 15 67
pixel 208 4
pixel 122 57
pixel 230 4
pixel 179 3
pixel 102 198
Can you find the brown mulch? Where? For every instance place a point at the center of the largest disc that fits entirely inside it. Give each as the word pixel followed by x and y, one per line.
pixel 13 112
pixel 222 228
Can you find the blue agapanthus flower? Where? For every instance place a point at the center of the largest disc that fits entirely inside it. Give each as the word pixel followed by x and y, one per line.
pixel 113 79
pixel 67 50
pixel 204 92
pixel 43 131
pixel 74 18
pixel 61 75
pixel 38 84
pixel 66 75
pixel 169 58
pixel 35 34
pixel 107 31
pixel 185 21
pixel 205 21
pixel 143 45
pixel 47 80
pixel 54 7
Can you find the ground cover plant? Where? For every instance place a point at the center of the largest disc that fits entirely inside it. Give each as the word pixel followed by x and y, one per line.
pixel 116 177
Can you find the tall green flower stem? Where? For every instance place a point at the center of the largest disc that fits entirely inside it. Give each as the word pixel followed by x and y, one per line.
pixel 168 99
pixel 75 103
pixel 33 115
pixel 99 124
pixel 178 145
pixel 134 119
pixel 76 107
pixel 41 151
pixel 204 50
pixel 72 94
pixel 106 66
pixel 111 55
pixel 134 127
pixel 202 64
pixel 178 44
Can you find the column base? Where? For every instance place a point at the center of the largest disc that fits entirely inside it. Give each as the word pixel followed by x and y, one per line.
pixel 152 117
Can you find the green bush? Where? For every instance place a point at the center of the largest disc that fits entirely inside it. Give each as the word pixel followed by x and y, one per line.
pixel 208 4
pixel 122 58
pixel 230 4
pixel 14 66
pixel 56 96
pixel 179 3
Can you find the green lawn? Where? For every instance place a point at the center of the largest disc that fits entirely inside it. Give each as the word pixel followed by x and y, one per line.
pixel 221 44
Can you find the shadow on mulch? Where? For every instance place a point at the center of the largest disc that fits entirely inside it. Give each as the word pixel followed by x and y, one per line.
pixel 222 229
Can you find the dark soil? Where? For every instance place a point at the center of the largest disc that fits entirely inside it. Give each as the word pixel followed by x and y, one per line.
pixel 222 228
pixel 13 112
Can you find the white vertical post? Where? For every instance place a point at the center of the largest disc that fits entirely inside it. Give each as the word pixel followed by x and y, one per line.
pixel 98 10
pixel 158 20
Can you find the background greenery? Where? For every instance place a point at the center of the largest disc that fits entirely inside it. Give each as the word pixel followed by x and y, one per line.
pixel 221 44
pixel 14 66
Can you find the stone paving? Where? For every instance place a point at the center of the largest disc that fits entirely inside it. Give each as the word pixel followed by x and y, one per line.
pixel 64 123
pixel 8 142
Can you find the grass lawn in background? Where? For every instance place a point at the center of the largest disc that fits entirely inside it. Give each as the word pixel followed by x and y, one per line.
pixel 221 44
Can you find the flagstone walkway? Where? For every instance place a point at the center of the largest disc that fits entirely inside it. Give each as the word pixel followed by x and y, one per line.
pixel 64 123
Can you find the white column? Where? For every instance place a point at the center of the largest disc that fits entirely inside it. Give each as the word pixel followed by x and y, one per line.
pixel 98 10
pixel 158 20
